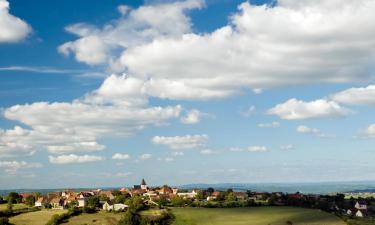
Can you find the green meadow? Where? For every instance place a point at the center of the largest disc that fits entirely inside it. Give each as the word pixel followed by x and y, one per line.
pixel 254 216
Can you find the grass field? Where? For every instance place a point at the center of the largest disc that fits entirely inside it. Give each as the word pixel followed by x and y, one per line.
pixel 100 218
pixel 15 206
pixel 253 216
pixel 35 218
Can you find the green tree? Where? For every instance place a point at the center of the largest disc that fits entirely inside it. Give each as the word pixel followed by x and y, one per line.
pixel 30 200
pixel 14 197
pixel 230 197
pixel 200 195
pixel 177 201
pixel 93 202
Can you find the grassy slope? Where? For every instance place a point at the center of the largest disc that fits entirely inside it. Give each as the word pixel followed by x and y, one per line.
pixel 35 218
pixel 15 206
pixel 253 216
pixel 100 218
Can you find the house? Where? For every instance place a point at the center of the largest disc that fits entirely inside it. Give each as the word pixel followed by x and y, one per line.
pixel 361 213
pixel 361 205
pixel 214 195
pixel 109 206
pixel 82 202
pixel 165 190
pixel 120 207
pixel 240 195
pixel 107 194
pixel 25 195
pixel 57 203
pixel 190 195
pixel 40 201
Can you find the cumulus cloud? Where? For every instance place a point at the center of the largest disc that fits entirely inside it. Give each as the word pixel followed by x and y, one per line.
pixel 181 142
pixel 14 166
pixel 356 96
pixel 254 148
pixel 294 109
pixel 288 43
pixel 121 156
pixel 257 149
pixel 193 116
pixel 315 131
pixel 135 27
pixel 72 158
pixel 269 125
pixel 368 132
pixel 178 153
pixel 67 127
pixel 12 29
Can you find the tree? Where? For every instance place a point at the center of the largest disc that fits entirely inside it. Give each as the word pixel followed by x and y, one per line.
pixel 200 195
pixel 30 200
pixel 14 197
pixel 93 202
pixel 4 221
pixel 10 206
pixel 230 197
pixel 116 193
pixel 177 201
pixel 210 190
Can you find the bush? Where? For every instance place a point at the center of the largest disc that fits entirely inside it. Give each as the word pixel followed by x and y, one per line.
pixel 4 221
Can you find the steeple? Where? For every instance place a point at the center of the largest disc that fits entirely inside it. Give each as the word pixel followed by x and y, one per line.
pixel 143 185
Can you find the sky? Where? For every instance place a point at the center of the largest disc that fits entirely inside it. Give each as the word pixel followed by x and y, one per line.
pixel 105 93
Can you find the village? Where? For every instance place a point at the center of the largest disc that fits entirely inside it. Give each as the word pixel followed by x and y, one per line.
pixel 116 200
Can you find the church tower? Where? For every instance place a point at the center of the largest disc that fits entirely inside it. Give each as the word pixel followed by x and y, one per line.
pixel 143 184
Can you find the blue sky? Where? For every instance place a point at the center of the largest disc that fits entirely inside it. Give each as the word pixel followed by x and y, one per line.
pixel 178 92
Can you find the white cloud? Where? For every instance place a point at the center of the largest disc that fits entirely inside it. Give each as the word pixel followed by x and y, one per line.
pixel 294 109
pixel 248 112
pixel 257 149
pixel 250 149
pixel 123 9
pixel 145 156
pixel 12 29
pixel 356 96
pixel 67 159
pixel 178 153
pixel 134 27
pixel 307 130
pixel 208 152
pixel 318 43
pixel 181 142
pixel 121 156
pixel 315 131
pixel 14 166
pixel 116 107
pixel 193 116
pixel 369 132
pixel 269 125
pixel 287 147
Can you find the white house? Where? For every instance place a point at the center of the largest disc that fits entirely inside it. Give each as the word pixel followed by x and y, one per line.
pixel 361 205
pixel 82 202
pixel 107 206
pixel 191 194
pixel 118 207
pixel 39 202
pixel 360 213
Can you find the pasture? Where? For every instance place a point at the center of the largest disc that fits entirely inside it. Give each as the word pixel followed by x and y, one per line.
pixel 254 216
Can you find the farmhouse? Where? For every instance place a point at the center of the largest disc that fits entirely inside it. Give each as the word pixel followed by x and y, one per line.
pixel 40 202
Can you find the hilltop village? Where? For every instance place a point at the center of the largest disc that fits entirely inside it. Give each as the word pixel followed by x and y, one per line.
pixel 117 200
